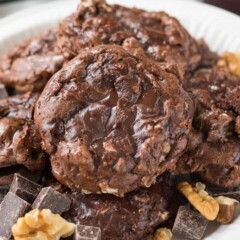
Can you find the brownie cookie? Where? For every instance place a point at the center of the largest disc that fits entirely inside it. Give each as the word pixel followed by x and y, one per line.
pixel 112 122
pixel 29 66
pixel 155 33
pixel 216 153
pixel 20 142
pixel 133 217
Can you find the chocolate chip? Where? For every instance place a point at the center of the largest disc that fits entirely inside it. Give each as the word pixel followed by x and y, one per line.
pixel 87 233
pixel 3 192
pixel 49 198
pixel 24 188
pixel 3 92
pixel 189 224
pixel 11 208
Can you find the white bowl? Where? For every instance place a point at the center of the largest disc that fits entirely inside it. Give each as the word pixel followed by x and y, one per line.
pixel 219 28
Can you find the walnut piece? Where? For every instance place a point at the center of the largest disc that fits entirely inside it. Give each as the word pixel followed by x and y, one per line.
pixel 42 225
pixel 227 209
pixel 200 199
pixel 161 234
pixel 231 61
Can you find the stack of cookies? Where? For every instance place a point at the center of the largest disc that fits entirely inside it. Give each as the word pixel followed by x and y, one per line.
pixel 111 109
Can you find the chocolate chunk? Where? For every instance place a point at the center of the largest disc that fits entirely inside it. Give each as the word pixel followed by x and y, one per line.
pixel 3 92
pixel 24 188
pixel 87 233
pixel 11 208
pixel 49 198
pixel 189 224
pixel 3 191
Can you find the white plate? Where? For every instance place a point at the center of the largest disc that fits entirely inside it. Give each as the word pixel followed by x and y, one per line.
pixel 219 28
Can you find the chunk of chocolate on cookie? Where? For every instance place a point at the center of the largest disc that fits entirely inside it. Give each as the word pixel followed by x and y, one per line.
pixel 24 188
pixel 87 233
pixel 189 224
pixel 11 208
pixel 49 198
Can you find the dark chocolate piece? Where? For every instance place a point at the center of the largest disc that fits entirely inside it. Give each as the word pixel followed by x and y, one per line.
pixel 11 208
pixel 3 92
pixel 24 188
pixel 189 224
pixel 87 233
pixel 3 191
pixel 49 198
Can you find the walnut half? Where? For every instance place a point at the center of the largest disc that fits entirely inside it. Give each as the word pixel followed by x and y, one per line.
pixel 231 61
pixel 227 209
pixel 42 225
pixel 200 199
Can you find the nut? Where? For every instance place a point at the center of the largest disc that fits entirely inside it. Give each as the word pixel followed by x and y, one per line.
pixel 161 234
pixel 231 61
pixel 106 189
pixel 227 209
pixel 42 225
pixel 166 147
pixel 200 199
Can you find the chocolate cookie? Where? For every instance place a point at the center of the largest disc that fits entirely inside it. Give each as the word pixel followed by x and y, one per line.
pixel 113 122
pixel 130 218
pixel 29 66
pixel 216 154
pixel 155 33
pixel 20 141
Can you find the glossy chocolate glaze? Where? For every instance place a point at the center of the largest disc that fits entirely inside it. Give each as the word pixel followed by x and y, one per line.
pixel 133 217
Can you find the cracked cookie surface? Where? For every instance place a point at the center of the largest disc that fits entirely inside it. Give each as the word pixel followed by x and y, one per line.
pixel 156 34
pixel 112 122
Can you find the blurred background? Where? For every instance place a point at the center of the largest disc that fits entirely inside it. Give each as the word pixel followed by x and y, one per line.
pixel 10 6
